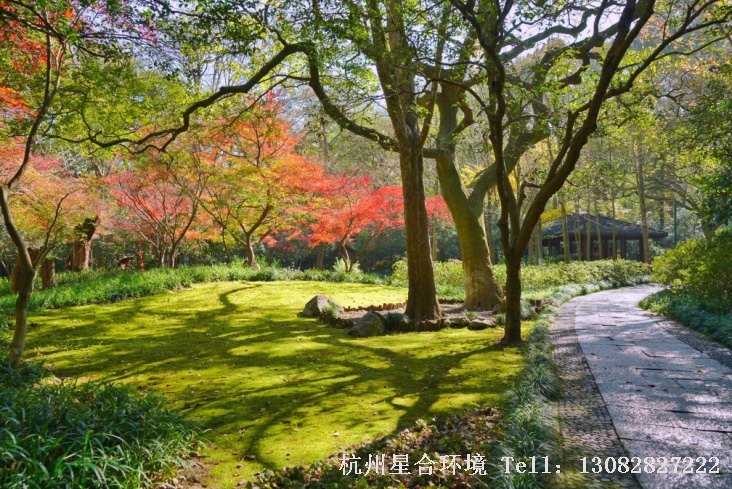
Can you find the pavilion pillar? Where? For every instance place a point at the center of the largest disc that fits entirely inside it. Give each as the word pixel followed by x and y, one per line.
pixel 623 249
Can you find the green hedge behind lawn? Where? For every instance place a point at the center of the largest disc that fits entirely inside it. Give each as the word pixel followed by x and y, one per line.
pixel 99 287
pixel 449 275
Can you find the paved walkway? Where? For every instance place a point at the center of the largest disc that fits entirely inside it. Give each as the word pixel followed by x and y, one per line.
pixel 664 397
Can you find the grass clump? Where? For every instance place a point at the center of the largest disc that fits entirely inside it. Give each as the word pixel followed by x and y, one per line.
pixel 91 434
pixel 95 434
pixel 530 427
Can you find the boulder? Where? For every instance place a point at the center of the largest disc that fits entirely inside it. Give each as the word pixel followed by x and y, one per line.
pixel 396 321
pixel 459 322
pixel 479 324
pixel 371 324
pixel 320 304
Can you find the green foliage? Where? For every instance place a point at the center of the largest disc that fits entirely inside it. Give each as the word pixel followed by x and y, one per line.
pixel 340 267
pixel 530 427
pixel 98 287
pixel 692 312
pixel 94 434
pixel 450 275
pixel 701 270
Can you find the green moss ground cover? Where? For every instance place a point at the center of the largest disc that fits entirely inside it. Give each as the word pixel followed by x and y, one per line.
pixel 274 389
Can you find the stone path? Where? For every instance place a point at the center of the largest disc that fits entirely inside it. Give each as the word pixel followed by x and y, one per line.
pixel 664 397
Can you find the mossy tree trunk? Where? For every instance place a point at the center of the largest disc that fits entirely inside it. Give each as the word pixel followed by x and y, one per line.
pixel 481 288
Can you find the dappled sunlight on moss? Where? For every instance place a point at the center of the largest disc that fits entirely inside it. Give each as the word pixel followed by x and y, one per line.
pixel 269 384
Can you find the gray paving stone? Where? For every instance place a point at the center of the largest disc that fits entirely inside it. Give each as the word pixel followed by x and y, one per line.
pixel 666 391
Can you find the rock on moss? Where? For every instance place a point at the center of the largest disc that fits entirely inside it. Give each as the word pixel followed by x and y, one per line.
pixel 371 324
pixel 318 305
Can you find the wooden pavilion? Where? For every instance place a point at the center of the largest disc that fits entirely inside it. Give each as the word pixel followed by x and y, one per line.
pixel 624 232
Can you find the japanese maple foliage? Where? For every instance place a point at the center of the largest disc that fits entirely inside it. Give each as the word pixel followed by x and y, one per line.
pixel 50 201
pixel 349 206
pixel 253 180
pixel 155 208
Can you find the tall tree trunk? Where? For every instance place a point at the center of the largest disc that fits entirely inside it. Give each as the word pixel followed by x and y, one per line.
pixel 422 295
pixel 481 288
pixel 565 233
pixel 320 256
pixel 512 328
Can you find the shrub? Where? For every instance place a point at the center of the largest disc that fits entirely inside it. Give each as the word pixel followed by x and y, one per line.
pixel 700 269
pixel 692 312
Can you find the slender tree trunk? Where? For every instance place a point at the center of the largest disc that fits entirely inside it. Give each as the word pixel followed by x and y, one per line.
pixel 588 230
pixel 565 233
pixel 577 229
pixel 226 247
pixel 434 224
pixel 539 244
pixel 344 255
pixel 640 182
pixel 320 256
pixel 26 278
pixel 531 248
pixel 599 234
pixel 492 255
pixel 251 259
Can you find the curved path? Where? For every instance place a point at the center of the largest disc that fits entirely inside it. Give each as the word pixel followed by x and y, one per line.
pixel 635 386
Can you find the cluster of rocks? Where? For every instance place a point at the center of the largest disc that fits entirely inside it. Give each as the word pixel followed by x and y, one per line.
pixel 382 320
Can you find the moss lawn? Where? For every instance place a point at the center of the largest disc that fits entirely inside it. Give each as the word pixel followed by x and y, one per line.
pixel 274 389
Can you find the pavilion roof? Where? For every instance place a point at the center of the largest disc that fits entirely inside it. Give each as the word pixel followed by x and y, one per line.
pixel 623 229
